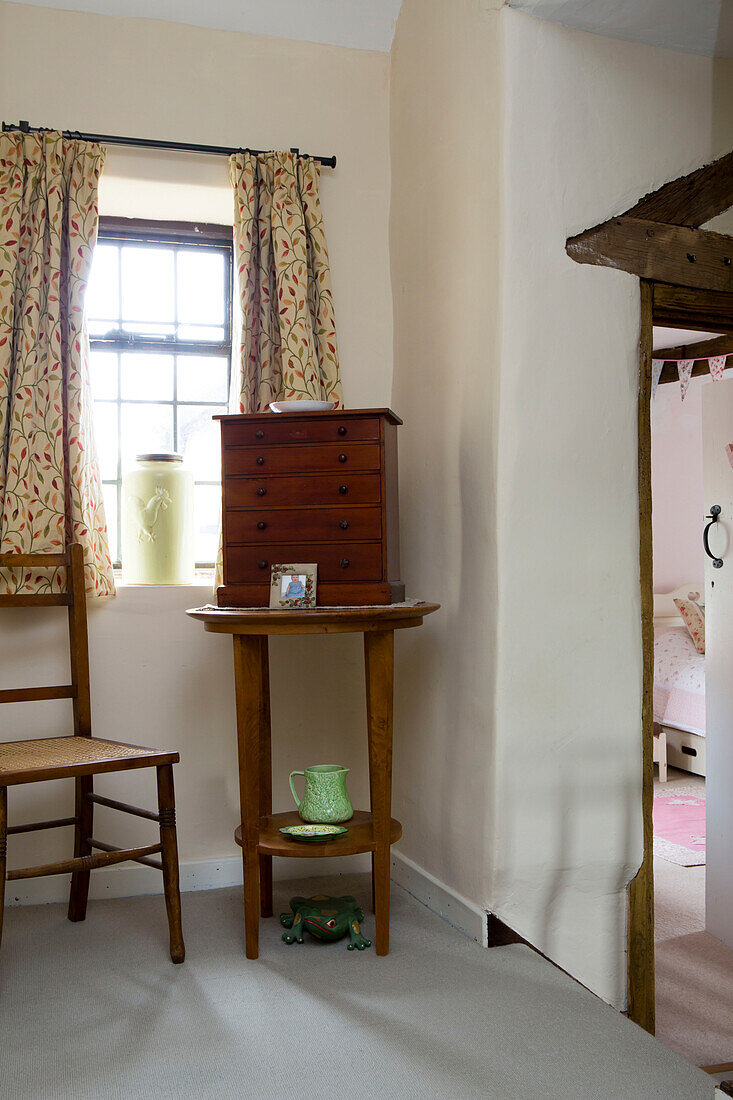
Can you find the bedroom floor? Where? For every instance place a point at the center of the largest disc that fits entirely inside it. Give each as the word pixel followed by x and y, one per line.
pixel 694 971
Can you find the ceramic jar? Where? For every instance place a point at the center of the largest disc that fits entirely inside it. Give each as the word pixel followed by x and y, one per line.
pixel 326 800
pixel 157 521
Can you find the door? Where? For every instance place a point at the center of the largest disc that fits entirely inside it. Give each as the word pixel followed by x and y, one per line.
pixel 717 433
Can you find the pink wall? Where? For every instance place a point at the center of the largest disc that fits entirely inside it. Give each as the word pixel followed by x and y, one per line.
pixel 678 506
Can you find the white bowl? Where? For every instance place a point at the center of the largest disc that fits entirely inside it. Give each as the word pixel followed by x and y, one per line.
pixel 301 406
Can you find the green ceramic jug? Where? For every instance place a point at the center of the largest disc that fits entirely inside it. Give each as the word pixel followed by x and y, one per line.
pixel 326 800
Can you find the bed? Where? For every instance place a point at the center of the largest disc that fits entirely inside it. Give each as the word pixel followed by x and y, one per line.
pixel 679 688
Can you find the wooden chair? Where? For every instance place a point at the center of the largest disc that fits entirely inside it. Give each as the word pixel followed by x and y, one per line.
pixel 82 756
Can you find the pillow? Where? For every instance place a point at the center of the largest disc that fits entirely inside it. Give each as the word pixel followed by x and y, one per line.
pixel 693 616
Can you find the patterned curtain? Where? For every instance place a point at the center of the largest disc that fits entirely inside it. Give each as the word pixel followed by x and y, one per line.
pixel 288 344
pixel 50 492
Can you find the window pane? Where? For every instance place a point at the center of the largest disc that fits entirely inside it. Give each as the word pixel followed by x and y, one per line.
pixel 103 291
pixel 202 377
pixel 147 376
pixel 146 429
pixel 106 438
pixel 103 374
pixel 102 328
pixel 147 284
pixel 200 287
pixel 148 328
pixel 206 517
pixel 203 333
pixel 198 440
pixel 110 508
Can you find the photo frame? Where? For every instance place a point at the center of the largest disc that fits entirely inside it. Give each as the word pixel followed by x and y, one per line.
pixel 293 586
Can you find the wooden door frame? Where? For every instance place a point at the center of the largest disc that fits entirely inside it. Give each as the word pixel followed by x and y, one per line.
pixel 640 906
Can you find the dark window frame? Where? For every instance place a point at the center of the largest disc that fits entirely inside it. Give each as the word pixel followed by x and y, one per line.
pixel 132 231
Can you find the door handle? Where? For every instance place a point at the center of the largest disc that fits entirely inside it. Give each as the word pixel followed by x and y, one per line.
pixel 713 517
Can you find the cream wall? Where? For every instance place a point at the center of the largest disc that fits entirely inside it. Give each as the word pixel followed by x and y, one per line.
pixel 591 124
pixel 446 106
pixel 156 676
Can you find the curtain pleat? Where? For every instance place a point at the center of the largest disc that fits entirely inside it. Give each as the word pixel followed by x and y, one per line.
pixel 288 343
pixel 50 490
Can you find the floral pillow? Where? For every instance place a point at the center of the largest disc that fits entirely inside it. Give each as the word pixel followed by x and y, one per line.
pixel 693 616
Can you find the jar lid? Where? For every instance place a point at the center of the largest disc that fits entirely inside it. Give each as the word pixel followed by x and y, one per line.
pixel 167 456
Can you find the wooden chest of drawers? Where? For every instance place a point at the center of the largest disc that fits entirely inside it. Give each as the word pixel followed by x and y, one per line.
pixel 311 487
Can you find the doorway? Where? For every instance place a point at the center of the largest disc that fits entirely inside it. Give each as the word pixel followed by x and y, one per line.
pixel 691 425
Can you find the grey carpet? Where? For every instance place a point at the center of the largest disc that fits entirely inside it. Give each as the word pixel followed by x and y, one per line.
pixel 96 1011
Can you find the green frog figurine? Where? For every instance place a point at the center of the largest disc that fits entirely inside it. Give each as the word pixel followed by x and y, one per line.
pixel 326 918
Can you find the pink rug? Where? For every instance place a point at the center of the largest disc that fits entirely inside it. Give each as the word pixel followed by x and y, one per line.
pixel 679 827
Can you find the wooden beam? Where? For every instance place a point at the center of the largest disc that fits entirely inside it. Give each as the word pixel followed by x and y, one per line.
pixel 693 199
pixel 684 307
pixel 666 253
pixel 701 349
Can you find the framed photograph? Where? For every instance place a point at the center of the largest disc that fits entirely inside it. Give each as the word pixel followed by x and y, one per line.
pixel 293 586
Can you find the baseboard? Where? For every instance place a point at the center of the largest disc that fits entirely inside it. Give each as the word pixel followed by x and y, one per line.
pixel 134 880
pixel 440 898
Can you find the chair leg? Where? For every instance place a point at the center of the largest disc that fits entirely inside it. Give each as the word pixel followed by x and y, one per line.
pixel 3 850
pixel 82 832
pixel 169 856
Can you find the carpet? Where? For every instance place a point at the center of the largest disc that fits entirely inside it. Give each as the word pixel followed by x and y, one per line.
pixel 96 1011
pixel 679 825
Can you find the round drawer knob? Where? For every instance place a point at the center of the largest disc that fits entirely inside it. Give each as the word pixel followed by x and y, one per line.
pixel 262 564
pixel 344 563
pixel 261 492
pixel 343 489
pixel 260 460
pixel 259 434
pixel 342 458
pixel 344 525
pixel 261 525
pixel 342 429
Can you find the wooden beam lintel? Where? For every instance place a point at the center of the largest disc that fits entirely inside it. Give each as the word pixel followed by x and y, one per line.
pixel 664 253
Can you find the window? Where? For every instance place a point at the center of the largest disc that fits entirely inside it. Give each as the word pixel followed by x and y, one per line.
pixel 158 310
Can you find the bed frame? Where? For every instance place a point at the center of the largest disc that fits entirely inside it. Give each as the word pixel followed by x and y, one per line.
pixel 672 746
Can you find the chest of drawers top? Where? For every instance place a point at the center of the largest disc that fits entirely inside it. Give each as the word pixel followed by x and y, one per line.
pixel 311 487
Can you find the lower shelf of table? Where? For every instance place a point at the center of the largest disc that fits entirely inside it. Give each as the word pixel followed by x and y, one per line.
pixel 360 837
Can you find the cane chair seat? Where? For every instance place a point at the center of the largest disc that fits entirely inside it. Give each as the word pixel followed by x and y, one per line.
pixel 59 757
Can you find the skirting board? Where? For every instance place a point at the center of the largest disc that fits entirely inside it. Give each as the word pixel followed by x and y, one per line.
pixel 441 899
pixel 133 880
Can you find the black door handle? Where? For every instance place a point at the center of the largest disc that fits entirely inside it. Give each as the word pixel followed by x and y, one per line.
pixel 713 517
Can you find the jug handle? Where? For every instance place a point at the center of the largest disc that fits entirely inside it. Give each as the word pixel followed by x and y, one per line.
pixel 292 787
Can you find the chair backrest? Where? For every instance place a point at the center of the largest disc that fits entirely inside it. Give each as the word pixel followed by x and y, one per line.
pixel 73 596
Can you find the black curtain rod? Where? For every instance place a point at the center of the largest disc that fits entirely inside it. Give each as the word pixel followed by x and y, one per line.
pixel 150 143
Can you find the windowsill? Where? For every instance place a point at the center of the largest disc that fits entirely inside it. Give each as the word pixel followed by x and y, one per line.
pixel 202 578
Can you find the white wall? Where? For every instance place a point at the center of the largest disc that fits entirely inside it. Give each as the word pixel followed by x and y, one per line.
pixel 157 677
pixel 591 124
pixel 677 499
pixel 445 241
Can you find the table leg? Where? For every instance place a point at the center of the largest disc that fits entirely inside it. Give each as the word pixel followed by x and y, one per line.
pixel 265 775
pixel 379 667
pixel 248 681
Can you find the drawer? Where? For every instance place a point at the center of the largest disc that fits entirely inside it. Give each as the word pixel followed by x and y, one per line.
pixel 284 428
pixel 363 560
pixel 283 492
pixel 316 458
pixel 303 525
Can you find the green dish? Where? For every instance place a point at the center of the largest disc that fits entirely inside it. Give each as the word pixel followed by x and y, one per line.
pixel 313 833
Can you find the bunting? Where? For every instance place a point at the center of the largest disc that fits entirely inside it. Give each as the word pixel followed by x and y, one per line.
pixel 684 370
pixel 657 365
pixel 717 366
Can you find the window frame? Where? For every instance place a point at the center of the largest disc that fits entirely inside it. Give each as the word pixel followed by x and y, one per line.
pixel 131 231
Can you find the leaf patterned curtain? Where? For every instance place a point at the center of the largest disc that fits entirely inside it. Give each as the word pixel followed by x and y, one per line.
pixel 288 344
pixel 50 492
